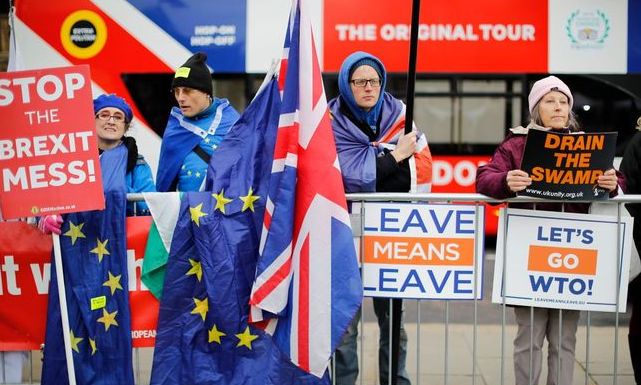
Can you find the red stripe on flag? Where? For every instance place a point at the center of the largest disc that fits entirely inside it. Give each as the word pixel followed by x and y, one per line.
pixel 267 221
pixel 286 141
pixel 282 74
pixel 268 287
pixel 390 134
pixel 303 307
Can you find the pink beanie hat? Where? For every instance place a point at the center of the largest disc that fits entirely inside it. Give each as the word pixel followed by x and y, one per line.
pixel 545 85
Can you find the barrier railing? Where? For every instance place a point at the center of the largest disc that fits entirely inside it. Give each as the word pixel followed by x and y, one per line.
pixel 454 341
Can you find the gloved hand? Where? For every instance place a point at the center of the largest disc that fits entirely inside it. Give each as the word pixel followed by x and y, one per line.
pixel 50 224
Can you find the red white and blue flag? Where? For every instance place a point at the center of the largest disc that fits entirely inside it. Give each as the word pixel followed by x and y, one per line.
pixel 307 279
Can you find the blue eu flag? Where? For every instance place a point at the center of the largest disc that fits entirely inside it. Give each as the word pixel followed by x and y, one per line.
pixel 94 257
pixel 204 336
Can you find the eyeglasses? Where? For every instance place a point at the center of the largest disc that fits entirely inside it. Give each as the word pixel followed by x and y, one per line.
pixel 118 118
pixel 376 82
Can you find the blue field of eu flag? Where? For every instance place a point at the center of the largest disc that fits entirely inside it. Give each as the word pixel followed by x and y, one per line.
pixel 94 257
pixel 203 334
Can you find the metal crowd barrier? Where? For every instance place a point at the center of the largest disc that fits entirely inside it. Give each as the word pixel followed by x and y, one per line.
pixel 454 342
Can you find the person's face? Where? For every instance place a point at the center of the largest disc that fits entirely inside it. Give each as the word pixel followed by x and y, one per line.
pixel 191 101
pixel 554 110
pixel 110 127
pixel 367 96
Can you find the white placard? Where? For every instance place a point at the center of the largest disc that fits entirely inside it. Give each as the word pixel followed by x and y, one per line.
pixel 423 251
pixel 562 260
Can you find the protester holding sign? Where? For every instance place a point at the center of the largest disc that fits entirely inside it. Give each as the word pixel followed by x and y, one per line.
pixel 550 104
pixel 194 130
pixel 631 168
pixel 113 117
pixel 374 155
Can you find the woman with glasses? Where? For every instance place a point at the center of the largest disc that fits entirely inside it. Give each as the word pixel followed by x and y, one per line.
pixel 113 118
pixel 375 155
pixel 118 155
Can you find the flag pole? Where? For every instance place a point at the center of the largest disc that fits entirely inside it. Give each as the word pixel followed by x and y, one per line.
pixel 397 304
pixel 63 308
pixel 411 72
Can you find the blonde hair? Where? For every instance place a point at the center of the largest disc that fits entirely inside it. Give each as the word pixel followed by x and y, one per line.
pixel 639 123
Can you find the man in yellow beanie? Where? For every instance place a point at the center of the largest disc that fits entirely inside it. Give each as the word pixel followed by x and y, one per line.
pixel 194 130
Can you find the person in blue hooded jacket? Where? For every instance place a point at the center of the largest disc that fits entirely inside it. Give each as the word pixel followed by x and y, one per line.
pixel 113 118
pixel 375 155
pixel 194 130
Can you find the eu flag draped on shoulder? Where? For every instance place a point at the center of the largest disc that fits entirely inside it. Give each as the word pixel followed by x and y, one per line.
pixel 307 278
pixel 93 246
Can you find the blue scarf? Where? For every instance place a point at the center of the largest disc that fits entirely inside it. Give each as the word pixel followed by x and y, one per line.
pixel 178 141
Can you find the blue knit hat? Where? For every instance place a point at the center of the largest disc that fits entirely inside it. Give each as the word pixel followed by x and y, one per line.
pixel 115 101
pixel 366 61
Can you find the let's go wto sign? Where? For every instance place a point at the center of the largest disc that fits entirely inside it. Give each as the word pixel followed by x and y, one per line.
pixel 562 260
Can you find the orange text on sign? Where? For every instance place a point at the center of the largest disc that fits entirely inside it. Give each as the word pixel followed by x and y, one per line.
pixel 562 260
pixel 419 251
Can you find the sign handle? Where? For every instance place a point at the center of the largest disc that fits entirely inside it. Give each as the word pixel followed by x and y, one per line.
pixel 63 308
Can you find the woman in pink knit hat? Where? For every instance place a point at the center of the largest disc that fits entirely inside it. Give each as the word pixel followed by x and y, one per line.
pixel 550 104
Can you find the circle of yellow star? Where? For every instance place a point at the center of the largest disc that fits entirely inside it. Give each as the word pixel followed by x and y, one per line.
pixel 215 334
pixel 202 307
pixel 221 201
pixel 196 269
pixel 249 199
pixel 74 232
pixel 74 341
pixel 245 338
pixel 108 318
pixel 113 283
pixel 100 249
pixel 196 213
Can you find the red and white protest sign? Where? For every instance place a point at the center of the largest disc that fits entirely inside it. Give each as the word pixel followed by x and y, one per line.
pixel 25 272
pixel 48 152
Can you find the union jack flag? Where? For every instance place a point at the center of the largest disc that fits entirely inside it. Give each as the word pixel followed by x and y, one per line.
pixel 307 280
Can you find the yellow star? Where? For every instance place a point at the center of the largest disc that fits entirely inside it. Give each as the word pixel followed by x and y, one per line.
pixel 196 213
pixel 215 334
pixel 221 201
pixel 108 318
pixel 245 338
pixel 92 343
pixel 249 199
pixel 202 307
pixel 196 269
pixel 75 341
pixel 75 232
pixel 100 249
pixel 197 174
pixel 113 283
